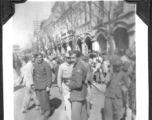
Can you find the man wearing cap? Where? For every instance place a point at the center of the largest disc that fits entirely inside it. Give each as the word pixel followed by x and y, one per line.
pixel 42 83
pixel 128 70
pixel 113 106
pixel 28 82
pixel 64 74
pixel 78 88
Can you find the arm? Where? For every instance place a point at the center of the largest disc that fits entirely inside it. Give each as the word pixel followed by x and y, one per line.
pixel 33 74
pixel 49 75
pixel 89 74
pixel 108 77
pixel 126 81
pixel 56 72
pixel 76 80
pixel 101 75
pixel 30 74
pixel 59 76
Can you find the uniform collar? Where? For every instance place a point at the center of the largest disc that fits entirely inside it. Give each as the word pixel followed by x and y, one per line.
pixel 76 63
pixel 40 63
pixel 31 62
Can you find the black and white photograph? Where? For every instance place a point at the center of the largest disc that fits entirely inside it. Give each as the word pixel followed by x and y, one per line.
pixel 74 60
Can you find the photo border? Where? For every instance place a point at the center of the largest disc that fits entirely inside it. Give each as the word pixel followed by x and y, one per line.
pixel 144 11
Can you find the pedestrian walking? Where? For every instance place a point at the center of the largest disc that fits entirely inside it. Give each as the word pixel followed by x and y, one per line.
pixel 78 88
pixel 113 106
pixel 64 74
pixel 42 84
pixel 88 81
pixel 28 82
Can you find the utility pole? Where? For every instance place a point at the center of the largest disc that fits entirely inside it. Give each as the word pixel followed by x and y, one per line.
pixel 36 24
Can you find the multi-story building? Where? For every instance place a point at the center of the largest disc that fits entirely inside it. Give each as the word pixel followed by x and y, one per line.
pixel 86 25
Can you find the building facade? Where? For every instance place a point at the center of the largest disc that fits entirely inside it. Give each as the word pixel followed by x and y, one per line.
pixel 86 25
pixel 16 48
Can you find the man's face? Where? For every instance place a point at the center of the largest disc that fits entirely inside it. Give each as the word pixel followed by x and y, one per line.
pixel 116 68
pixel 32 58
pixel 54 62
pixel 40 59
pixel 125 68
pixel 86 60
pixel 68 60
pixel 73 58
pixel 90 61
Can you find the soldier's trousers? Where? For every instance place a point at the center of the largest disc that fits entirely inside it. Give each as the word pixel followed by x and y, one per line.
pixel 79 110
pixel 43 97
pixel 66 95
pixel 29 93
pixel 113 108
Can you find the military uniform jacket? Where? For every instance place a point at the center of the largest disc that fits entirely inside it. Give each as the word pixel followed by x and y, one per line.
pixel 89 72
pixel 42 75
pixel 77 84
pixel 114 88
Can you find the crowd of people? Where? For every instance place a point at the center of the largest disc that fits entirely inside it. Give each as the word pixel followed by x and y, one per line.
pixel 75 75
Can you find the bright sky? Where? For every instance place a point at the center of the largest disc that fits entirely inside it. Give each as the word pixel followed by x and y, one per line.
pixel 23 18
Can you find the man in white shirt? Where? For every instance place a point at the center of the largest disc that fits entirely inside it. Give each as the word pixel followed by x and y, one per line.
pixel 28 82
pixel 64 74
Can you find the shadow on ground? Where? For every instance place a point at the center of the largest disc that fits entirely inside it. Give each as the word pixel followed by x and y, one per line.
pixel 55 103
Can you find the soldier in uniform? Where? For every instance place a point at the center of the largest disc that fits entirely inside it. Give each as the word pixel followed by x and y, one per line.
pixel 64 74
pixel 88 81
pixel 42 83
pixel 113 106
pixel 78 88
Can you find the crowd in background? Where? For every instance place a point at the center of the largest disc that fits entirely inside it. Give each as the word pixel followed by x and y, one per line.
pixel 100 64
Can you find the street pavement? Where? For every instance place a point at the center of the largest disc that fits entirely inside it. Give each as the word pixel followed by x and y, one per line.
pixel 57 105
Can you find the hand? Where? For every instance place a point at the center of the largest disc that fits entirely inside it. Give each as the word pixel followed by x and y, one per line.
pixel 67 83
pixel 60 90
pixel 47 89
pixel 86 81
pixel 33 87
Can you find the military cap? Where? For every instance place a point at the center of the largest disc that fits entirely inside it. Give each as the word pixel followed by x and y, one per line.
pixel 115 60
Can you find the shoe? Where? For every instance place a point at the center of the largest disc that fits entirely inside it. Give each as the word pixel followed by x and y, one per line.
pixel 24 110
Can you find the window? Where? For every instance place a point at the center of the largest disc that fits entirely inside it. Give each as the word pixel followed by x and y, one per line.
pixel 89 10
pixel 79 16
pixel 85 14
pixel 101 13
